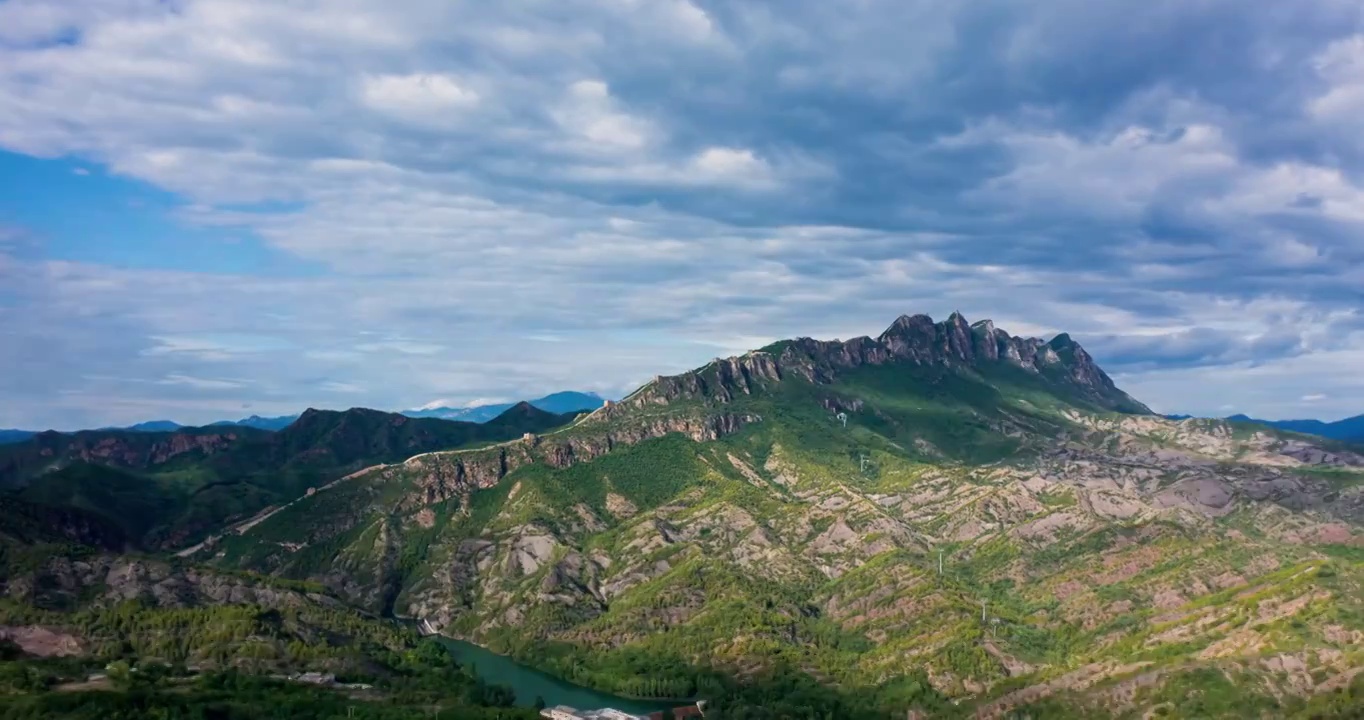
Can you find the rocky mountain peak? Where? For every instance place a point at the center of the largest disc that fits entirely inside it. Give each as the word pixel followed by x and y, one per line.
pixel 911 339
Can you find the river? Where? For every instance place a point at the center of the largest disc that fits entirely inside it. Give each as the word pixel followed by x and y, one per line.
pixel 528 683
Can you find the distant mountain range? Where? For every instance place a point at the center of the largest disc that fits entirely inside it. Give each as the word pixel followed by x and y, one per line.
pixel 1351 428
pixel 261 423
pixel 557 403
pixel 14 436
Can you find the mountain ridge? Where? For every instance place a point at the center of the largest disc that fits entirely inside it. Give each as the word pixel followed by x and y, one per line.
pixel 559 402
pixel 562 402
pixel 911 338
pixel 207 476
pixel 1350 429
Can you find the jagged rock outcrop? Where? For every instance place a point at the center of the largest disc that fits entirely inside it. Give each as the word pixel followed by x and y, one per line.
pixel 912 339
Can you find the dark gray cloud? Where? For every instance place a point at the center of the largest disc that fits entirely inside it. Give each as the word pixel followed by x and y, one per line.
pixel 499 199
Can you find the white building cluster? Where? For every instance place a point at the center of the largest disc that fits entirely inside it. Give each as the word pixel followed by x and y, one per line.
pixel 564 712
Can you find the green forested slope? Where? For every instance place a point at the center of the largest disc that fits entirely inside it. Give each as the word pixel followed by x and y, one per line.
pixel 168 490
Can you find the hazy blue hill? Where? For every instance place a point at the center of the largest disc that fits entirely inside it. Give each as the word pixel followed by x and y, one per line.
pixel 260 423
pixel 1351 428
pixel 155 426
pixel 568 401
pixel 559 403
pixel 14 436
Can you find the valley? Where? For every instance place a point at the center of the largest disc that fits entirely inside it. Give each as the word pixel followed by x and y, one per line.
pixel 944 519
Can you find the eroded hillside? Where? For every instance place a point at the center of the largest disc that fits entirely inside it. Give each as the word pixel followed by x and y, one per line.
pixel 943 517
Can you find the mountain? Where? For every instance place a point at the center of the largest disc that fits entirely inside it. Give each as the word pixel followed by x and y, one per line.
pixel 941 521
pixel 260 423
pixel 14 436
pixel 1351 428
pixel 944 518
pixel 255 421
pixel 155 426
pixel 165 490
pixel 163 426
pixel 49 451
pixel 560 403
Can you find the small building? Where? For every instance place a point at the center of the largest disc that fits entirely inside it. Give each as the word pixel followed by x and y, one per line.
pixel 529 438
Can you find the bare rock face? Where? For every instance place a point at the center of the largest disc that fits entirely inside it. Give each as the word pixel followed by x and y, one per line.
pixel 620 506
pixel 529 552
pixel 44 642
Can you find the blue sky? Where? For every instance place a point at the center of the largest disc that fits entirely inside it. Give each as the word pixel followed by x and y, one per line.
pixel 214 208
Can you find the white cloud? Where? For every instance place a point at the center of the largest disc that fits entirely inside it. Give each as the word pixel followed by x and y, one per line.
pixel 202 383
pixel 736 164
pixel 1114 176
pixel 424 97
pixel 644 183
pixel 1341 64
pixel 333 386
pixel 1277 389
pixel 590 115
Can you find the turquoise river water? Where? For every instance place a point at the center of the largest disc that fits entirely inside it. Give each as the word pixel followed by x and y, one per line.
pixel 528 683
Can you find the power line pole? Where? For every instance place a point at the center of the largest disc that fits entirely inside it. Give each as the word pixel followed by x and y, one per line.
pixel 940 562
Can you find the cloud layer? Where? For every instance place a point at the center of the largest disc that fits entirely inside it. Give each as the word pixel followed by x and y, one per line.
pixel 505 199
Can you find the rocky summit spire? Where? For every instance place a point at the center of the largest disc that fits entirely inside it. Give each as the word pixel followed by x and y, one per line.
pixel 960 344
pixel 986 340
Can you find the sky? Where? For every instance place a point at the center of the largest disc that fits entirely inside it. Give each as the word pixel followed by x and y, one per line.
pixel 216 208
